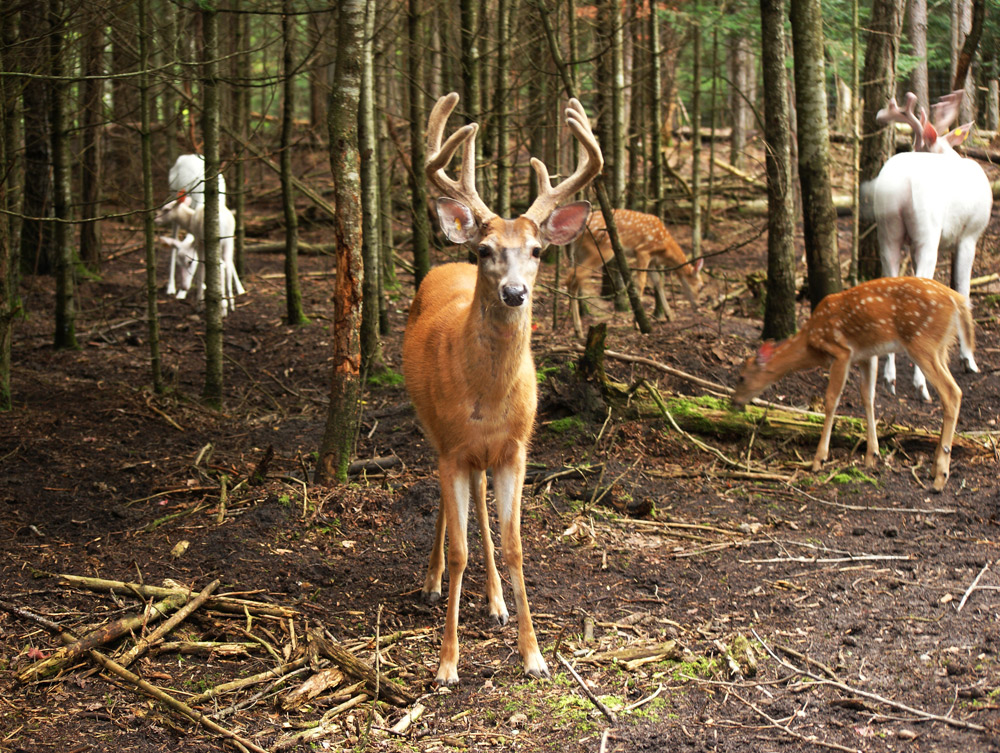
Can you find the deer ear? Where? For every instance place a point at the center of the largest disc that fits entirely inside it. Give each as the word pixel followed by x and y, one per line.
pixel 457 222
pixel 765 352
pixel 959 135
pixel 566 223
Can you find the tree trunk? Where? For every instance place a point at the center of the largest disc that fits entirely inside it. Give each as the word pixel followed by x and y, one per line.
pixel 37 247
pixel 740 61
pixel 418 147
pixel 779 310
pixel 879 77
pixel 973 15
pixel 501 107
pixel 345 391
pixel 472 86
pixel 916 29
pixel 618 118
pixel 65 315
pixel 92 105
pixel 237 183
pixel 819 218
pixel 696 135
pixel 293 291
pixel 146 140
pixel 371 247
pixel 656 115
pixel 212 392
pixel 9 304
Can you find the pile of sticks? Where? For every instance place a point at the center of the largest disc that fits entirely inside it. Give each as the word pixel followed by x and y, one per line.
pixel 304 672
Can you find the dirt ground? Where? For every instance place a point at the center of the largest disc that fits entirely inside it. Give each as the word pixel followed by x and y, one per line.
pixel 766 608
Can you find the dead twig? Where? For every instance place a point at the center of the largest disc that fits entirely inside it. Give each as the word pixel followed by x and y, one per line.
pixel 173 621
pixel 609 715
pixel 973 586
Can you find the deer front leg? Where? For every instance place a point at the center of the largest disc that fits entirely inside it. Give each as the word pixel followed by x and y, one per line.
pixel 951 401
pixel 869 375
pixel 838 378
pixel 455 503
pixel 508 481
pixel 494 589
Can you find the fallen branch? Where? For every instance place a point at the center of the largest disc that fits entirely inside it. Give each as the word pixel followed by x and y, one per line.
pixel 973 586
pixel 593 698
pixel 379 686
pixel 244 682
pixel 949 720
pixel 143 644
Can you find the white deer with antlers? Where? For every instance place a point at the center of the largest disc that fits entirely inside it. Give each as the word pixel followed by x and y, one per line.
pixel 929 198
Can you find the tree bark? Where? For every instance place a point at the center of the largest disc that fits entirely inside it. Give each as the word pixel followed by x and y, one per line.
pixel 819 218
pixel 92 104
pixel 37 247
pixel 656 114
pixel 293 291
pixel 967 53
pixel 241 91
pixel 65 314
pixel 149 237
pixel 879 84
pixel 212 391
pixel 779 310
pixel 371 247
pixel 501 107
pixel 916 29
pixel 418 147
pixel 345 391
pixel 696 134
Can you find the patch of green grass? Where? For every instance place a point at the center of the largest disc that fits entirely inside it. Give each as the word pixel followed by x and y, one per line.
pixel 851 475
pixel 542 373
pixel 566 425
pixel 385 378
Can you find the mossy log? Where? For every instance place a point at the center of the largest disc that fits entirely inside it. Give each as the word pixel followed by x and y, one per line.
pixel 714 417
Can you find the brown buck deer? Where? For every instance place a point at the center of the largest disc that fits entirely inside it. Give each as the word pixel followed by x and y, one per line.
pixel 918 316
pixel 643 236
pixel 468 366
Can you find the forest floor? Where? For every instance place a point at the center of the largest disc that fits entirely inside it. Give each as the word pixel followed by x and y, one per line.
pixel 737 606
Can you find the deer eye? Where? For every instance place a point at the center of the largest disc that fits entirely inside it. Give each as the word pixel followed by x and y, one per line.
pixel 536 251
pixel 483 251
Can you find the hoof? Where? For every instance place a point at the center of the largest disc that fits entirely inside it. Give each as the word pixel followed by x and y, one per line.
pixel 446 679
pixel 499 620
pixel 431 597
pixel 535 666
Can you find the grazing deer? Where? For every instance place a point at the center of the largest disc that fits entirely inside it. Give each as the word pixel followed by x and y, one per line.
pixel 468 366
pixel 929 198
pixel 911 314
pixel 643 236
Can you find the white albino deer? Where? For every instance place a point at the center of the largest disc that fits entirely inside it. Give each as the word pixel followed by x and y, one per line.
pixel 468 366
pixel 187 177
pixel 928 199
pixel 191 252
pixel 643 236
pixel 918 316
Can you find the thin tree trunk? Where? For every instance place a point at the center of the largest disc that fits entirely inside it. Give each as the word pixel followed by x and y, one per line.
pixel 93 121
pixel 819 218
pixel 696 134
pixel 852 275
pixel 146 139
pixel 656 114
pixel 293 291
pixel 65 334
pixel 879 85
pixel 236 188
pixel 418 149
pixel 779 309
pixel 342 418
pixel 618 122
pixel 713 115
pixel 9 303
pixel 972 23
pixel 739 92
pixel 212 392
pixel 916 29
pixel 37 247
pixel 371 248
pixel 501 107
pixel 472 84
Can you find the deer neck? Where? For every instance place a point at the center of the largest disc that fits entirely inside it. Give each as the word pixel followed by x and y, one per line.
pixel 795 354
pixel 497 337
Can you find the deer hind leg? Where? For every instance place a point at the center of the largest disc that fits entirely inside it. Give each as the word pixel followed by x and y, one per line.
pixel 869 375
pixel 455 504
pixel 961 272
pixel 838 378
pixel 951 401
pixel 573 287
pixel 508 481
pixel 431 592
pixel 662 307
pixel 494 589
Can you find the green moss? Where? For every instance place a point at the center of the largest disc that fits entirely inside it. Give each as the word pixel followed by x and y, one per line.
pixel 385 378
pixel 542 373
pixel 565 425
pixel 852 474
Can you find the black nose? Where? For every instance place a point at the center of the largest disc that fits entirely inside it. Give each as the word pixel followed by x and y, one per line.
pixel 514 295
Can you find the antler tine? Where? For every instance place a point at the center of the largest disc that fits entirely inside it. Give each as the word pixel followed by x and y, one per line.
pixel 591 163
pixel 438 157
pixel 893 113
